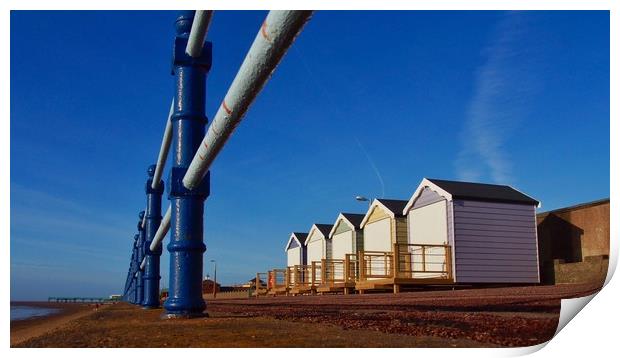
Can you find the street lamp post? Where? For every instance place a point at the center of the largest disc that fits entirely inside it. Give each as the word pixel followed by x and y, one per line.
pixel 214 278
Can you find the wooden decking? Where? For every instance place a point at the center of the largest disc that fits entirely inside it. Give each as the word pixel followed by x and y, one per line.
pixel 406 265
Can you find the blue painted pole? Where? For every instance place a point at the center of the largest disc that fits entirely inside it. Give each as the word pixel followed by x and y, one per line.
pixel 140 278
pixel 153 219
pixel 128 280
pixel 129 277
pixel 126 288
pixel 126 292
pixel 134 296
pixel 186 245
pixel 131 272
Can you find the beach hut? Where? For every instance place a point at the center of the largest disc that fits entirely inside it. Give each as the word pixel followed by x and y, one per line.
pixel 346 235
pixel 339 272
pixel 318 243
pixel 384 226
pixel 489 232
pixel 296 262
pixel 319 248
pixel 296 249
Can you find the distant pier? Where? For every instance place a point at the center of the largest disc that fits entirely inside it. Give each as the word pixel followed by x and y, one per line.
pixel 81 299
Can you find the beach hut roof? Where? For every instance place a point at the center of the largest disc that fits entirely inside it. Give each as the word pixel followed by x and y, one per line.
pixel 299 237
pixel 394 207
pixel 354 220
pixel 323 229
pixel 472 191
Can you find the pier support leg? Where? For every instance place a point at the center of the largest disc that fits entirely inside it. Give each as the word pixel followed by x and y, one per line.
pixel 153 219
pixel 396 288
pixel 134 292
pixel 140 278
pixel 186 245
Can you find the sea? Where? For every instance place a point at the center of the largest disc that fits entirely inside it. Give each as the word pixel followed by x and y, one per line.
pixel 20 312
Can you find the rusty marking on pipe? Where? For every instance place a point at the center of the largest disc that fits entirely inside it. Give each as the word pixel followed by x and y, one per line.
pixel 201 157
pixel 205 144
pixel 263 31
pixel 226 107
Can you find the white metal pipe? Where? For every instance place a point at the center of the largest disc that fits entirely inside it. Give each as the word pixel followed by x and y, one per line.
pixel 164 226
pixel 163 150
pixel 198 33
pixel 271 43
pixel 162 230
pixel 143 219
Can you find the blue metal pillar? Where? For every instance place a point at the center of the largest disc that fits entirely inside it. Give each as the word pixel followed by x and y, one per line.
pixel 140 246
pixel 134 295
pixel 126 289
pixel 186 245
pixel 128 281
pixel 132 265
pixel 153 219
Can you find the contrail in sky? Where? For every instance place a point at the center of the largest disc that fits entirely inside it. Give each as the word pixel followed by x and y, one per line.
pixel 328 95
pixel 502 88
pixel 374 167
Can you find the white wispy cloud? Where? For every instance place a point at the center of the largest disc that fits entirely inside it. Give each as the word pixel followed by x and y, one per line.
pixel 503 87
pixel 45 219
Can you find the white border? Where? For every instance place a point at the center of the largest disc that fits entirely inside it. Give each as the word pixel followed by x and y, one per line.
pixel 592 332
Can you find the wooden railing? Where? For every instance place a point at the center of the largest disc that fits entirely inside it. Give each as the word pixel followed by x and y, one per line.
pixel 301 276
pixel 339 271
pixel 332 271
pixel 423 261
pixel 406 261
pixel 352 268
pixel 277 278
pixel 376 264
pixel 316 272
pixel 261 283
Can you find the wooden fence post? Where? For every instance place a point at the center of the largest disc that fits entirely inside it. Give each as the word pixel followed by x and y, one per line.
pixel 257 284
pixel 396 263
pixel 347 268
pixel 362 265
pixel 312 282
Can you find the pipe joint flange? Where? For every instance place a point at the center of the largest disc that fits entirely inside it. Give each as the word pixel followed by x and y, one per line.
pixel 149 190
pixel 176 189
pixel 149 252
pixel 180 58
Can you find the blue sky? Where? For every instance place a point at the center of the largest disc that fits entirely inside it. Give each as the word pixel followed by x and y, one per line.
pixel 365 103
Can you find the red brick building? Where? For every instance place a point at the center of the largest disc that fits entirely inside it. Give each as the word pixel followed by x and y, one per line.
pixel 207 286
